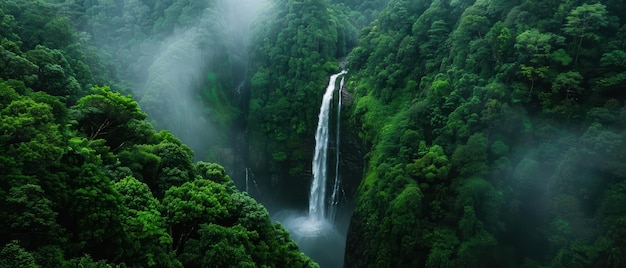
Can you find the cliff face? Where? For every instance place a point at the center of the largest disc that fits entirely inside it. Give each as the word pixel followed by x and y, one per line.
pixel 487 123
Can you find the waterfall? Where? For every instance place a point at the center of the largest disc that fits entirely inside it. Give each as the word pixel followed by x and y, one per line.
pixel 316 233
pixel 247 181
pixel 334 197
pixel 317 210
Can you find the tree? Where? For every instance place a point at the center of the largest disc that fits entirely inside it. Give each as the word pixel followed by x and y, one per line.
pixel 568 82
pixel 105 115
pixel 14 66
pixel 470 159
pixel 431 167
pixel 30 134
pixel 13 255
pixel 95 213
pixel 31 218
pixel 584 21
pixel 226 246
pixel 149 243
pixel 191 204
pixel 444 248
pixel 536 46
pixel 533 74
pixel 214 172
pixel 54 75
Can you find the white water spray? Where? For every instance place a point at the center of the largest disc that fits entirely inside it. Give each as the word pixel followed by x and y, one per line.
pixel 316 233
pixel 334 197
pixel 317 208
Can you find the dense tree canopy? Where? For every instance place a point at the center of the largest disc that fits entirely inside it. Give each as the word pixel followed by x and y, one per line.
pixel 86 182
pixel 495 130
pixel 502 125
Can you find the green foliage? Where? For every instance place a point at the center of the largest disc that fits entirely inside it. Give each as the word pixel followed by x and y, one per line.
pixel 86 182
pixel 469 159
pixel 583 22
pixel 495 129
pixel 510 142
pixel 226 247
pixel 106 114
pixel 192 203
pixel 293 55
pixel 536 45
pixel 434 165
pixel 13 255
pixel 214 172
pixel 443 249
pixel 146 227
pixel 31 217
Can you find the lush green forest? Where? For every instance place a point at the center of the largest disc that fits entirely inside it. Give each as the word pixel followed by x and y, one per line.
pixel 87 182
pixel 495 130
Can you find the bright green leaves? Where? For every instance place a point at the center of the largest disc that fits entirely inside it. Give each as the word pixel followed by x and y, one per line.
pixel 614 58
pixel 535 49
pixel 502 81
pixel 536 46
pixel 584 21
pixel 14 66
pixel 214 172
pixel 30 134
pixel 106 115
pixel 212 225
pixel 162 165
pixel 533 74
pixel 406 212
pixel 193 203
pixel 67 174
pixel 113 104
pixel 431 167
pixel 149 241
pixel 561 57
pixel 96 206
pixel 471 26
pixel 250 214
pixel 136 195
pixel 55 75
pixel 226 246
pixel 440 88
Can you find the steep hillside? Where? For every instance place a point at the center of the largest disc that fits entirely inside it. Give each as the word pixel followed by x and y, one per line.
pixel 497 135
pixel 85 181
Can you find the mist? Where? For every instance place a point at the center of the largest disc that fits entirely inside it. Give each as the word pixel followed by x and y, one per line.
pixel 189 76
pixel 193 82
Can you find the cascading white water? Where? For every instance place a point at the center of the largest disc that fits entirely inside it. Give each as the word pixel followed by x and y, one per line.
pixel 334 197
pixel 316 233
pixel 247 181
pixel 317 208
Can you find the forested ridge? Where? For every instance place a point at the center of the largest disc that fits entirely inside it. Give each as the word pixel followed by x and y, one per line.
pixel 87 182
pixel 497 135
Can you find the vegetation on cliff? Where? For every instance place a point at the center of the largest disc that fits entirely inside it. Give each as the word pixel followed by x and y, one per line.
pixel 87 182
pixel 496 133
